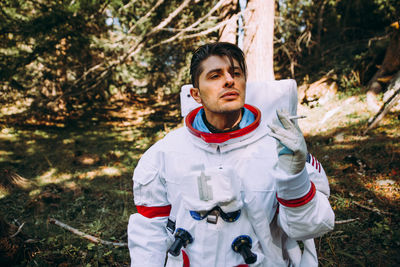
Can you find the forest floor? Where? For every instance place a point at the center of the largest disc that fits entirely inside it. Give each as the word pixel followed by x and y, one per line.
pixel 80 173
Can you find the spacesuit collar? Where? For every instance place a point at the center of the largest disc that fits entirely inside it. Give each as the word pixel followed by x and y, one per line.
pixel 218 138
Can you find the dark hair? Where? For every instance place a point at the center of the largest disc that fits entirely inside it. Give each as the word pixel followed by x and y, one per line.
pixel 215 49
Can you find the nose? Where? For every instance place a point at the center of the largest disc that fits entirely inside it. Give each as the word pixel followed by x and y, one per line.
pixel 229 81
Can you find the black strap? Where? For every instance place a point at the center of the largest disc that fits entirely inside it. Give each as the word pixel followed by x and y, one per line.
pixel 212 129
pixel 171 226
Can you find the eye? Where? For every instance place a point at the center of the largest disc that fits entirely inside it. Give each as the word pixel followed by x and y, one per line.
pixel 214 76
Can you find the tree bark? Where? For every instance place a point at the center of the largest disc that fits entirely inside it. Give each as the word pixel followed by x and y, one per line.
pixel 258 39
pixel 229 32
pixel 389 103
pixel 390 64
pixel 320 26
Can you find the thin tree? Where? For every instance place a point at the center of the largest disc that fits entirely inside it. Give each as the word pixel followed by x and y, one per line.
pixel 227 12
pixel 258 39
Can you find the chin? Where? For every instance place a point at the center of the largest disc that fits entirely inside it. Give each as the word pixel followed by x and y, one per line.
pixel 231 107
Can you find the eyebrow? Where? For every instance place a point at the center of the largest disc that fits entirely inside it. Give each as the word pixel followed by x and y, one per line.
pixel 220 69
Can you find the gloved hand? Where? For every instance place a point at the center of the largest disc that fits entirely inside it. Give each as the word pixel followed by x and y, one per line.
pixel 291 146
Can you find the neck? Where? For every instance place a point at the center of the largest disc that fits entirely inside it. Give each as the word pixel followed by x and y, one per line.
pixel 224 121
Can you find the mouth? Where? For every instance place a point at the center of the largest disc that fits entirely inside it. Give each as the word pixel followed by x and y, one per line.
pixel 230 94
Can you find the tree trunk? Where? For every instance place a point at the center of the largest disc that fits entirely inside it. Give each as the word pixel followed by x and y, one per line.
pixel 229 32
pixel 390 64
pixel 258 39
pixel 320 26
pixel 394 86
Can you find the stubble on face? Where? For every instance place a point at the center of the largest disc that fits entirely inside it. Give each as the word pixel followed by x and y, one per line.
pixel 221 90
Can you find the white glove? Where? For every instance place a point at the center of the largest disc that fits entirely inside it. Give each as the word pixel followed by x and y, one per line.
pixel 291 146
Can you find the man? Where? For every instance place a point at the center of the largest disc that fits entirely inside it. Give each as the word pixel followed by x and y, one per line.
pixel 227 189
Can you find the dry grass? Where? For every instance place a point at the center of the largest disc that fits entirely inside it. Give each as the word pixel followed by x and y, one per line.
pixel 364 175
pixel 81 174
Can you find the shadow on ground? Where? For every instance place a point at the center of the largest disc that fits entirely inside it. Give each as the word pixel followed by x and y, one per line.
pixel 364 175
pixel 81 174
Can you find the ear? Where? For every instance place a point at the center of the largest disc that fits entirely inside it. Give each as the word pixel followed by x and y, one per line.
pixel 195 93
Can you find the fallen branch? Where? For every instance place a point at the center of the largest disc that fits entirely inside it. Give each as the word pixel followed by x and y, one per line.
pixel 339 236
pixel 86 236
pixel 365 207
pixel 376 210
pixel 18 231
pixel 346 221
pixel 31 241
pixel 387 106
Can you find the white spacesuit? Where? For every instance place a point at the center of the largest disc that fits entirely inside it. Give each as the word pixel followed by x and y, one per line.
pixel 218 187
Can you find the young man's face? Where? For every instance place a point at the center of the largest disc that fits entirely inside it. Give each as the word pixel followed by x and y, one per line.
pixel 221 88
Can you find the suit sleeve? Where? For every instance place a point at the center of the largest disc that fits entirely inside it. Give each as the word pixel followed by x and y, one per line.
pixel 305 211
pixel 147 235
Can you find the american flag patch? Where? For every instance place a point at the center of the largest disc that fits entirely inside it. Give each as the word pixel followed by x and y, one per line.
pixel 314 162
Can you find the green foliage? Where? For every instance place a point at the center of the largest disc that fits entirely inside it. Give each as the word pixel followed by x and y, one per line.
pixel 45 46
pixel 71 57
pixel 357 192
pixel 97 198
pixel 84 197
pixel 348 37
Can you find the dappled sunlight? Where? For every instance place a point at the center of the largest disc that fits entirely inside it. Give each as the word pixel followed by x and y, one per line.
pixel 4 154
pixel 386 186
pixel 88 86
pixel 110 171
pixel 364 177
pixel 334 114
pixel 3 193
pixel 102 171
pixel 130 116
pixel 82 174
pixel 6 132
pixel 34 192
pixel 18 106
pixel 48 177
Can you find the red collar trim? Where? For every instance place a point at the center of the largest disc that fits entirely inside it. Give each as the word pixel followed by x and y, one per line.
pixel 222 137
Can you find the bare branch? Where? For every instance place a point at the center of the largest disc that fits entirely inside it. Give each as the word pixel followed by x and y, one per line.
pixel 139 44
pixel 171 16
pixel 346 221
pixel 218 5
pixel 210 30
pixel 86 236
pixel 142 19
pixel 18 231
pixel 378 38
pixel 376 210
pixel 195 24
pixel 140 41
pixel 134 49
pixel 127 5
pixel 202 33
